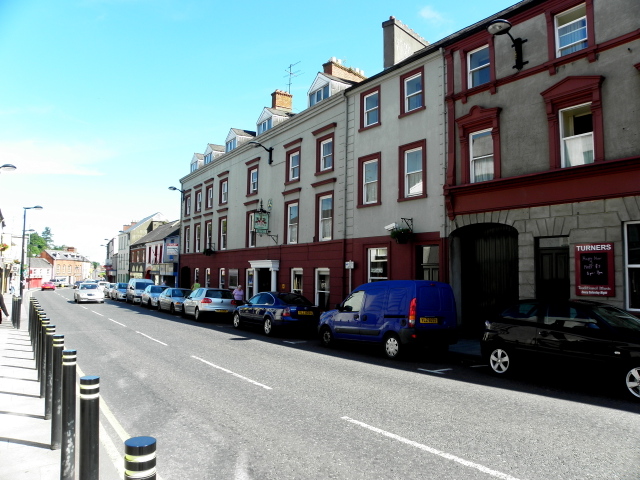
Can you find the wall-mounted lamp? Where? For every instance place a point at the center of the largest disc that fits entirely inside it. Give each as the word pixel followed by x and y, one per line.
pixel 270 150
pixel 177 190
pixel 500 27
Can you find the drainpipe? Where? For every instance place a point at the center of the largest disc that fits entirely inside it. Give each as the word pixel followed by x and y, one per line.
pixel 344 197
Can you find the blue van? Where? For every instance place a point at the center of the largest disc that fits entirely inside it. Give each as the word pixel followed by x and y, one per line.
pixel 395 313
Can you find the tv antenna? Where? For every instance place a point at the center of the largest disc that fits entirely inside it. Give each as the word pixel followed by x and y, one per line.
pixel 291 74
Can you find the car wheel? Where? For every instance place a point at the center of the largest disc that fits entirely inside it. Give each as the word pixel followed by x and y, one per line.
pixel 500 361
pixel 267 326
pixel 236 320
pixel 197 316
pixel 172 309
pixel 633 381
pixel 392 346
pixel 326 337
pixel 76 300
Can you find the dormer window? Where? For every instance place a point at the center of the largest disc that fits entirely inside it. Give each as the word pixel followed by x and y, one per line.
pixel 231 145
pixel 319 95
pixel 264 126
pixel 207 158
pixel 194 166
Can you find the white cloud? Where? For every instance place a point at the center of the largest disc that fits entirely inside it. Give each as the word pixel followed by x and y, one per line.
pixel 432 16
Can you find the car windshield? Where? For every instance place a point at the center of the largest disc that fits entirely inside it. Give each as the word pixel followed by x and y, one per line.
pixel 122 285
pixel 294 299
pixel 618 318
pixel 156 289
pixel 88 286
pixel 180 292
pixel 219 294
pixel 141 286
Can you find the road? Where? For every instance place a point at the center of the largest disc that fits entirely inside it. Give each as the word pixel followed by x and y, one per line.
pixel 234 404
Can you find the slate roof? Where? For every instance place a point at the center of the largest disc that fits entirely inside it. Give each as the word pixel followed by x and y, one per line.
pixel 64 255
pixel 160 233
pixel 243 133
pixel 38 262
pixel 138 224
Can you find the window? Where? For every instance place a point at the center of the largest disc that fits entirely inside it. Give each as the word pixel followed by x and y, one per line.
pixel 325 207
pixel 231 145
pixel 632 265
pixel 207 158
pixel 223 233
pixel 293 166
pixel 187 238
pixel 296 280
pixel 196 275
pixel 209 197
pixel 318 95
pixel 576 131
pixel 233 278
pixel 481 148
pixel 478 61
pixel 194 166
pixel 224 193
pixel 412 91
pixel 370 102
pixel 571 31
pixel 207 277
pixel 377 264
pixel 222 278
pixel 187 206
pixel 325 153
pixel 292 223
pixel 208 228
pixel 322 288
pixel 196 239
pixel 251 229
pixel 253 182
pixel 198 201
pixel 369 180
pixel 264 126
pixel 413 172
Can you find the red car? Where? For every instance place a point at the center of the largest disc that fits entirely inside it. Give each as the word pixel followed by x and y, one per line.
pixel 48 286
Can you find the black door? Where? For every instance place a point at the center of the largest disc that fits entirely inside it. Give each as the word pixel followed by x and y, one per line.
pixel 552 274
pixel 264 280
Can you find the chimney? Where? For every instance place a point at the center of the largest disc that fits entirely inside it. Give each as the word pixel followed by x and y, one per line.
pixel 71 249
pixel 400 42
pixel 335 68
pixel 282 100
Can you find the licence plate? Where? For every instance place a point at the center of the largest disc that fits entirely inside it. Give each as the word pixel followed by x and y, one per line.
pixel 222 311
pixel 305 312
pixel 428 320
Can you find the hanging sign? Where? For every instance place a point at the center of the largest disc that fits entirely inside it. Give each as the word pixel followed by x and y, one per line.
pixel 595 274
pixel 261 222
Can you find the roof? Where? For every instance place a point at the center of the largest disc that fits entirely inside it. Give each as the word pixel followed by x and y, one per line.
pixel 243 133
pixel 216 148
pixel 39 262
pixel 160 233
pixel 64 255
pixel 145 219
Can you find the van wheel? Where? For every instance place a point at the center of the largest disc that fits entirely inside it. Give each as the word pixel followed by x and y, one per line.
pixel 392 346
pixel 500 361
pixel 632 381
pixel 326 337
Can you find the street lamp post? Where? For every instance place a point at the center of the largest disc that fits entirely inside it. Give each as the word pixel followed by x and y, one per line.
pixel 24 228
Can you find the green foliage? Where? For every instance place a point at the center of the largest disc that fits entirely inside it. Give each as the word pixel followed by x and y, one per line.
pixel 36 245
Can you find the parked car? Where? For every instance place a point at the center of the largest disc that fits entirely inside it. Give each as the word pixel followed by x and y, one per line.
pixel 209 301
pixel 48 286
pixel 172 299
pixel 107 290
pixel 395 313
pixel 135 287
pixel 274 310
pixel 104 286
pixel 88 292
pixel 77 284
pixel 590 335
pixel 118 291
pixel 149 297
pixel 58 282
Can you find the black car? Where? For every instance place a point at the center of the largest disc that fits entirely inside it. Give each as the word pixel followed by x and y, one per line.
pixel 591 334
pixel 275 310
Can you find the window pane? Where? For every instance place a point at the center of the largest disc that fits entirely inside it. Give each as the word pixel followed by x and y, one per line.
pixel 633 244
pixel 479 58
pixel 371 101
pixel 414 85
pixel 481 144
pixel 414 161
pixel 377 264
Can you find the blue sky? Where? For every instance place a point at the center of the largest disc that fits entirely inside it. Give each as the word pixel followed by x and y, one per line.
pixel 104 102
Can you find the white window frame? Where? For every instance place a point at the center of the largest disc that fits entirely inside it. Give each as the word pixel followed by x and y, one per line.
pixel 231 145
pixel 224 191
pixel 477 69
pixel 207 158
pixel 407 189
pixel 266 125
pixel 199 201
pixel 327 288
pixel 188 206
pixel 210 196
pixel 365 184
pixel 628 267
pixel 473 159
pixel 207 278
pixel 251 234
pixel 325 220
pixel 294 170
pixel 249 287
pixel 293 227
pixel 370 253
pixel 408 96
pixel 209 235
pixel 326 161
pixel 584 136
pixel 197 238
pixel 253 180
pixel 294 273
pixel 187 240
pixel 196 275
pixel 557 26
pixel 319 95
pixel 368 111
pixel 223 233
pixel 222 277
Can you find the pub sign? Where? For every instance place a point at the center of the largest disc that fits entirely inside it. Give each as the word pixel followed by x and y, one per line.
pixel 595 273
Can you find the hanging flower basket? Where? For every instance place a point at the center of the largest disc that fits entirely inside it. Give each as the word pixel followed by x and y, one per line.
pixel 401 235
pixel 208 252
pixel 3 247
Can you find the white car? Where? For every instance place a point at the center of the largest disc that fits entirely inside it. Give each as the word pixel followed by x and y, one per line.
pixel 88 292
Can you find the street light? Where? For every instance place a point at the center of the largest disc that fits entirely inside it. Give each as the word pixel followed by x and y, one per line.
pixel 24 227
pixel 7 167
pixel 500 27
pixel 270 149
pixel 175 189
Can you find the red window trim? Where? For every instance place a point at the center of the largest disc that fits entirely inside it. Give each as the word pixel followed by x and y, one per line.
pixel 401 151
pixel 187 205
pixel 403 112
pixel 220 219
pixel 292 191
pixel 206 199
pixel 251 162
pixel 297 140
pixel 316 237
pixel 362 106
pixel 207 244
pixel 361 161
pixel 248 230
pixel 478 119
pixel 286 221
pixel 319 142
pixel 317 132
pixel 288 155
pixel 550 14
pixel 223 180
pixel 249 192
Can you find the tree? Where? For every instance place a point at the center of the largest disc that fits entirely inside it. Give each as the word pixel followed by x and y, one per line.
pixel 47 236
pixel 36 245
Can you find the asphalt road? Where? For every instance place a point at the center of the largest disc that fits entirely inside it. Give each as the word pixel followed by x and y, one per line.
pixel 234 404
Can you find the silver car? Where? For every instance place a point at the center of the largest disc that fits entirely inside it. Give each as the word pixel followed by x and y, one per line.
pixel 118 292
pixel 88 292
pixel 209 301
pixel 172 299
pixel 150 295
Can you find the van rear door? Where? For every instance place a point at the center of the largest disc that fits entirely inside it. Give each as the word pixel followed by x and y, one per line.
pixel 435 307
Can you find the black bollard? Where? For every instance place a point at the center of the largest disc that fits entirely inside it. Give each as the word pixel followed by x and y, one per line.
pixel 56 396
pixel 18 308
pixel 37 312
pixel 41 362
pixel 140 458
pixel 68 452
pixel 89 428
pixel 48 384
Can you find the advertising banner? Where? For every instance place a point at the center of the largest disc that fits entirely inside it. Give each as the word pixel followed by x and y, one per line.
pixel 595 270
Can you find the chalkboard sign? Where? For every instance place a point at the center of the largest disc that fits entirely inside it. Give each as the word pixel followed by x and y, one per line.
pixel 594 270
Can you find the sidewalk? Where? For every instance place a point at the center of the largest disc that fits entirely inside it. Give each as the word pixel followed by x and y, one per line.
pixel 25 436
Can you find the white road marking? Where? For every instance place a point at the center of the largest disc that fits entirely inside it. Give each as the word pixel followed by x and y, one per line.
pixel 151 338
pixel 294 342
pixel 232 373
pixel 97 313
pixel 439 372
pixel 448 456
pixel 116 322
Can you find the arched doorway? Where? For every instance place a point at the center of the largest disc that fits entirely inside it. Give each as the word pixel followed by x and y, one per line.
pixel 485 271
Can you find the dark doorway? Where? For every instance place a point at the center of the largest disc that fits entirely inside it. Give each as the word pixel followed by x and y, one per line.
pixel 552 268
pixel 488 255
pixel 185 277
pixel 264 280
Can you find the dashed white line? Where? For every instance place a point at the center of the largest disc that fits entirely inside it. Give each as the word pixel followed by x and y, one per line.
pixel 232 373
pixel 151 338
pixel 448 456
pixel 122 324
pixel 97 313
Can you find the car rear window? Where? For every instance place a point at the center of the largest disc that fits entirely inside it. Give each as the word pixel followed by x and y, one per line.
pixel 294 299
pixel 219 294
pixel 156 289
pixel 141 286
pixel 89 286
pixel 122 285
pixel 180 292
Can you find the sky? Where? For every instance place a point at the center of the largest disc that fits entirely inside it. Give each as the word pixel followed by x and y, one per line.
pixel 104 102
